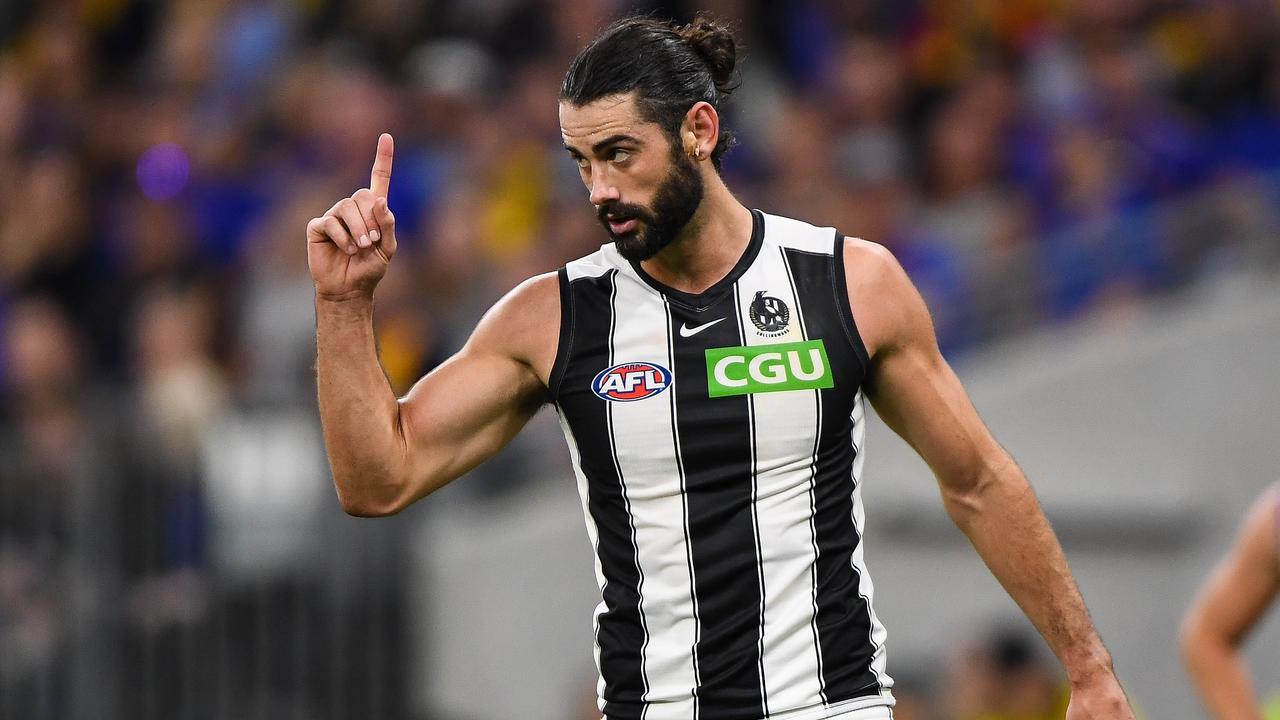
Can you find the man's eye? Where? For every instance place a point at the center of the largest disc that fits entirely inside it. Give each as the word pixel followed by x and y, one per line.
pixel 582 162
pixel 620 155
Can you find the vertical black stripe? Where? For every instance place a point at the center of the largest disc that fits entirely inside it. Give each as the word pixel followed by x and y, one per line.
pixel 564 344
pixel 755 508
pixel 621 633
pixel 843 615
pixel 813 481
pixel 755 515
pixel 840 296
pixel 857 422
pixel 715 443
pixel 684 507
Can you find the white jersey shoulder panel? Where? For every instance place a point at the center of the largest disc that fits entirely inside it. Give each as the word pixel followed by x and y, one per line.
pixel 798 235
pixel 596 264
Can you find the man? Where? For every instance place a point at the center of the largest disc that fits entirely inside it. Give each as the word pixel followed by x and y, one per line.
pixel 709 376
pixel 1232 601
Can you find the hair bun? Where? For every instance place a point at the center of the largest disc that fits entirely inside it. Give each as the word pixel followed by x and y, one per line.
pixel 714 42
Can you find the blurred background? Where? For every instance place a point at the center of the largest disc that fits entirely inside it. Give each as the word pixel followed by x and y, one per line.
pixel 1087 193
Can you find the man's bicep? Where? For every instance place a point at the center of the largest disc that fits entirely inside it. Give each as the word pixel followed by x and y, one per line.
pixel 920 398
pixel 465 411
pixel 910 384
pixel 474 403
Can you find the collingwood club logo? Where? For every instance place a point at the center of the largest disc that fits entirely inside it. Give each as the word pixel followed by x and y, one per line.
pixel 769 314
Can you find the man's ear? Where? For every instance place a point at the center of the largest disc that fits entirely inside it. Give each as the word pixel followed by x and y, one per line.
pixel 700 131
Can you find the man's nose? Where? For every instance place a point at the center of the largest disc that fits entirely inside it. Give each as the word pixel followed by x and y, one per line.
pixel 602 190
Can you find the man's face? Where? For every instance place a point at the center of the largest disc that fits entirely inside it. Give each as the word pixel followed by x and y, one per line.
pixel 644 187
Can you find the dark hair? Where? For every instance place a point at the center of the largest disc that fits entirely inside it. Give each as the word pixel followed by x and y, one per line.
pixel 669 66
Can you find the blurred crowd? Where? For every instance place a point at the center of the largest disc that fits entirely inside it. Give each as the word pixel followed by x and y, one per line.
pixel 163 508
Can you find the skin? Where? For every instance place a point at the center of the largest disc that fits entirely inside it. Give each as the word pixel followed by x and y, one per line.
pixel 387 453
pixel 1234 598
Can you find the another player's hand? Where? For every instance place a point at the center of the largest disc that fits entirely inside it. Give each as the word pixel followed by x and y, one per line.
pixel 351 245
pixel 1100 699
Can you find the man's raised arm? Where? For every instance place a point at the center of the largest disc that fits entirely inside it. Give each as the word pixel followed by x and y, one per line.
pixel 386 453
pixel 918 395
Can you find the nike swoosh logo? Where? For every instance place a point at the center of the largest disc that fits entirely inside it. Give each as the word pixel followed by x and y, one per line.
pixel 686 331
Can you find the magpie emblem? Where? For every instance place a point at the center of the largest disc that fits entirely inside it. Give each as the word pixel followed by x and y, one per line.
pixel 769 314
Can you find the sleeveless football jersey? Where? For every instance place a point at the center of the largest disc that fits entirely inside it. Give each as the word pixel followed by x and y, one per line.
pixel 717 443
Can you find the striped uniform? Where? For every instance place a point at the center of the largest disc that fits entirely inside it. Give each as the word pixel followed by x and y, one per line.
pixel 717 443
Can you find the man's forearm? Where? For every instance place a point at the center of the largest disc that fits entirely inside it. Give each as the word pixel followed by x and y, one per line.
pixel 358 409
pixel 1002 518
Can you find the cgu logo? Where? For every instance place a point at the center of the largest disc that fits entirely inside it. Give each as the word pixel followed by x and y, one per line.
pixel 631 381
pixel 768 368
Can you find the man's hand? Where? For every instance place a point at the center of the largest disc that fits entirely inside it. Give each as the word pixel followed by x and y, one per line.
pixel 351 245
pixel 1099 699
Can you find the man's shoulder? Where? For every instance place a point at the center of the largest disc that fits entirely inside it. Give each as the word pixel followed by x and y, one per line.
pixel 868 260
pixel 523 325
pixel 535 303
pixel 882 297
pixel 865 263
pixel 527 316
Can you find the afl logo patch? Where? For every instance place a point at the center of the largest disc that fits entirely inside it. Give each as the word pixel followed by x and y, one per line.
pixel 628 382
pixel 769 314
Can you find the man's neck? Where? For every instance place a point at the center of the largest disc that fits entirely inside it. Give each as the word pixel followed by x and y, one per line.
pixel 709 245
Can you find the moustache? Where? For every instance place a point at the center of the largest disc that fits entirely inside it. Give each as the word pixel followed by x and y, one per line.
pixel 616 210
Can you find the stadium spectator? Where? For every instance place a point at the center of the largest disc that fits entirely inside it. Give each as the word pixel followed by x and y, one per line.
pixel 1003 675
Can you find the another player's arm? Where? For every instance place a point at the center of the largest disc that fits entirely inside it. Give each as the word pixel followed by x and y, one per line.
pixel 1231 602
pixel 386 453
pixel 917 394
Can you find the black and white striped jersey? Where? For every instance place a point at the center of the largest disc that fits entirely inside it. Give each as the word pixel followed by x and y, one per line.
pixel 717 443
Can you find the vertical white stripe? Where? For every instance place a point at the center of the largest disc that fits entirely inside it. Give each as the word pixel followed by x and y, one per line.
pixel 626 494
pixel 593 534
pixel 656 502
pixel 785 436
pixel 865 587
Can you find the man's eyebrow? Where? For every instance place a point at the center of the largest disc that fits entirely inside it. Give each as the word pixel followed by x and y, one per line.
pixel 600 146
pixel 614 139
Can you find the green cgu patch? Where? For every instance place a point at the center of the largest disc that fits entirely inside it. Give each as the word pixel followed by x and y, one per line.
pixel 748 369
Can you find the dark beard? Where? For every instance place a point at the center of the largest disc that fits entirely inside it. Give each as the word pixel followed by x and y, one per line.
pixel 674 203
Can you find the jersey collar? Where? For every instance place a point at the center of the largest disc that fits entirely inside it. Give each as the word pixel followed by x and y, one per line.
pixel 705 299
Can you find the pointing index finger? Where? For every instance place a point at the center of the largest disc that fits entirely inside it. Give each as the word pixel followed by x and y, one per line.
pixel 380 178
